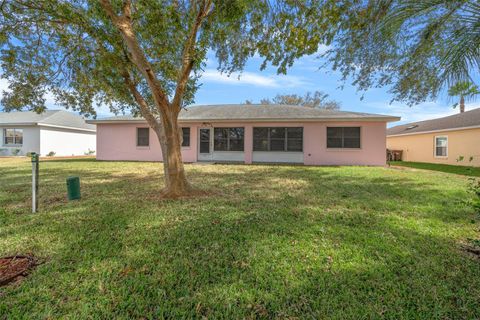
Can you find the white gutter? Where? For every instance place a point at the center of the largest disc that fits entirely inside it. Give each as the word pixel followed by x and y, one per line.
pixel 65 127
pixel 18 124
pixel 432 131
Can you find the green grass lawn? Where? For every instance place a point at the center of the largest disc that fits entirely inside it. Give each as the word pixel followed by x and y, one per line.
pixel 269 242
pixel 463 170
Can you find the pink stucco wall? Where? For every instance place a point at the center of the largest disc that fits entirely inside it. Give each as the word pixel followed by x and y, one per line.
pixel 372 150
pixel 118 142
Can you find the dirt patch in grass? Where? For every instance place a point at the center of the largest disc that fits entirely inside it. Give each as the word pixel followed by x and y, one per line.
pixel 472 247
pixel 15 268
pixel 473 251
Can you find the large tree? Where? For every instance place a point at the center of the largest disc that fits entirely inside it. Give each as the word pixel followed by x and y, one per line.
pixel 146 56
pixel 317 99
pixel 417 48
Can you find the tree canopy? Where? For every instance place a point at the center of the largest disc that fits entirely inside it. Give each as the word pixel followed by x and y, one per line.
pixel 72 50
pixel 417 48
pixel 317 99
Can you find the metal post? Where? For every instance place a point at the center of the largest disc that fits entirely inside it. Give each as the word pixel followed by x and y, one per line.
pixel 34 182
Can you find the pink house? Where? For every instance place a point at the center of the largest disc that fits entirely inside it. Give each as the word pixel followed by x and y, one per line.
pixel 254 134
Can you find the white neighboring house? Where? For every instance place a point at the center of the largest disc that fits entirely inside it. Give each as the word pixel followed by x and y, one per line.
pixel 53 131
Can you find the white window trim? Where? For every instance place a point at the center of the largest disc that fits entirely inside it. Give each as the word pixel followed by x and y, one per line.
pixel 435 147
pixel 11 145
pixel 343 149
pixel 285 142
pixel 136 139
pixel 212 132
pixel 189 137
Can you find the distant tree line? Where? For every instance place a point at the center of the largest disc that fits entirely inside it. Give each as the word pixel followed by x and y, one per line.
pixel 317 99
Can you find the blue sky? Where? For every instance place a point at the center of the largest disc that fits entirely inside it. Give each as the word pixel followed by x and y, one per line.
pixel 304 76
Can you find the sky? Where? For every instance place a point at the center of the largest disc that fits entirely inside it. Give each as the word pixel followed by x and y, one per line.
pixel 304 76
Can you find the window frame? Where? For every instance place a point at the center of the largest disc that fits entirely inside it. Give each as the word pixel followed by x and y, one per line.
pixel 435 147
pixel 343 138
pixel 200 140
pixel 285 139
pixel 14 144
pixel 148 138
pixel 228 138
pixel 189 137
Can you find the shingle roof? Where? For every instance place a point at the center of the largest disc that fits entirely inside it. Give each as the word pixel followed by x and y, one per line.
pixel 57 118
pixel 251 112
pixel 461 120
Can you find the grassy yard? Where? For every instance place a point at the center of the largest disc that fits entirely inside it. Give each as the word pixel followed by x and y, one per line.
pixel 463 170
pixel 269 242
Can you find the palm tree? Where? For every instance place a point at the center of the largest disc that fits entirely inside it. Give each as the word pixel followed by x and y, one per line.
pixel 464 90
pixel 417 48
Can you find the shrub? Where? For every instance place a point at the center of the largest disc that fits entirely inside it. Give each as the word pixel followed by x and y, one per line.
pixel 15 152
pixel 461 158
pixel 51 154
pixel 89 152
pixel 475 189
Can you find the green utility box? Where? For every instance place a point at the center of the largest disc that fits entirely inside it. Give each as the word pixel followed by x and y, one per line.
pixel 34 157
pixel 73 188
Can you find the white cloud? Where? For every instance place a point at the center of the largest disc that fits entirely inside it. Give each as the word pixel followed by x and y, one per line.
pixel 322 49
pixel 250 78
pixel 3 84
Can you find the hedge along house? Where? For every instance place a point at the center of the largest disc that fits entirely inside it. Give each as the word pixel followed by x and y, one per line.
pixel 254 134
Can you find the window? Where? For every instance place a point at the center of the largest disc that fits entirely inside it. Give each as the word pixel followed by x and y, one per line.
pixel 204 140
pixel 228 139
pixel 278 139
pixel 343 137
pixel 13 137
pixel 186 137
pixel 143 137
pixel 441 146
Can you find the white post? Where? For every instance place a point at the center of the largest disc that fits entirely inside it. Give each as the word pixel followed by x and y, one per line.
pixel 34 182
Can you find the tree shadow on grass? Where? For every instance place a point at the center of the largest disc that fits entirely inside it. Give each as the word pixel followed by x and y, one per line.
pixel 289 242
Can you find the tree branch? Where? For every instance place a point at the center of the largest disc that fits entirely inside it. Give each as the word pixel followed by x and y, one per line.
pixel 144 108
pixel 124 26
pixel 107 6
pixel 127 9
pixel 188 53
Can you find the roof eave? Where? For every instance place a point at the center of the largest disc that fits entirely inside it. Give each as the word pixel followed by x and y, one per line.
pixel 432 131
pixel 65 127
pixel 18 124
pixel 364 119
pixel 40 124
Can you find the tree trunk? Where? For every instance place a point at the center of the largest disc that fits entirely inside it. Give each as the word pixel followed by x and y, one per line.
pixel 169 135
pixel 462 104
pixel 176 183
pixel 167 129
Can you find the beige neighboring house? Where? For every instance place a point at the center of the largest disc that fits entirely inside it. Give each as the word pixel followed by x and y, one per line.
pixel 445 140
